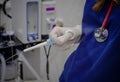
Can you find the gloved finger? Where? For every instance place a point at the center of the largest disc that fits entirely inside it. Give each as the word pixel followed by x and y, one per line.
pixel 68 44
pixel 55 33
pixel 65 38
pixel 60 35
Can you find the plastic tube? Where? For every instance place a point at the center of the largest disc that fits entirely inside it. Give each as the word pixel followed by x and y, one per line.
pixel 20 54
pixel 48 42
pixel 34 47
pixel 3 68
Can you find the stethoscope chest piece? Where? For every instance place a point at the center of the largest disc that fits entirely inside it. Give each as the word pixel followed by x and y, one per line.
pixel 101 34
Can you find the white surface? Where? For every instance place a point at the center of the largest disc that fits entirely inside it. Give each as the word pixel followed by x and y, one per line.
pixel 71 11
pixel 29 66
pixel 33 57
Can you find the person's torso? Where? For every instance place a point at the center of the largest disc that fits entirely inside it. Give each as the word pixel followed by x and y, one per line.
pixel 94 61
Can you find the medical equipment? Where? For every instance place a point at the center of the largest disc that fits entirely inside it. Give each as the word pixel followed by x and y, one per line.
pixel 48 16
pixel 101 34
pixel 1 32
pixel 26 20
pixel 4 9
pixel 8 51
pixel 3 68
pixel 11 71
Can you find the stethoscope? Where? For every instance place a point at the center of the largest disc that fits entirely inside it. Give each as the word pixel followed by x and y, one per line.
pixel 101 34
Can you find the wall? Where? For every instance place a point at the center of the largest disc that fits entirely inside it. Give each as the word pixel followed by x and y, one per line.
pixel 70 11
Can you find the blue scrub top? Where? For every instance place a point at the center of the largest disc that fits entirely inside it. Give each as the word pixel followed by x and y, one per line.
pixel 93 61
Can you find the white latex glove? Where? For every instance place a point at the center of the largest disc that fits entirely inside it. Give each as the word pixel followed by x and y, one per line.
pixel 64 35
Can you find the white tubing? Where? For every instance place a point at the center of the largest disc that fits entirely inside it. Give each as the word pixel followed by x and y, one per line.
pixel 20 54
pixel 34 47
pixel 3 68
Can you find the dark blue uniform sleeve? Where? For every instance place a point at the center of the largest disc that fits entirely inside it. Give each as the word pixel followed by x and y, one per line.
pixel 93 61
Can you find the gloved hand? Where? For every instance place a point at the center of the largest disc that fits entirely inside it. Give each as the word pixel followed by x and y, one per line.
pixel 64 35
